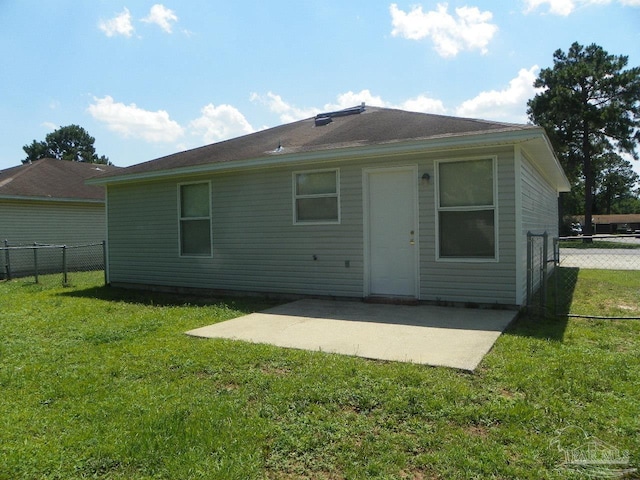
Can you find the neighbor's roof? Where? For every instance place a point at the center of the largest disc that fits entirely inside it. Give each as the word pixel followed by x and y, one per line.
pixel 612 218
pixel 335 135
pixel 51 179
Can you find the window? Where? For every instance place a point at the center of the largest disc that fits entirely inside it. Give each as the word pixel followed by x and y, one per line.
pixel 195 219
pixel 466 209
pixel 316 198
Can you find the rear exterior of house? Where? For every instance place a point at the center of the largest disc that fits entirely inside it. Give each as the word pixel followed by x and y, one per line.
pixel 435 219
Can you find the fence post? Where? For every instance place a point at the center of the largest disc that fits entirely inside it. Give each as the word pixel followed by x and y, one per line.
pixel 64 265
pixel 529 269
pixel 545 258
pixel 35 260
pixel 556 273
pixel 104 262
pixel 7 258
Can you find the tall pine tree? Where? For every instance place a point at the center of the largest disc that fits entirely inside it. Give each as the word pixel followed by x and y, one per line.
pixel 590 107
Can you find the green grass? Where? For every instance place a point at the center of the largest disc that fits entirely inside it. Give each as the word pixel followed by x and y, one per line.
pixel 598 243
pixel 599 293
pixel 102 383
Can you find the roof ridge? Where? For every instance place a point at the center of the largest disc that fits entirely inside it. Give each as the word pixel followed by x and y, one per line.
pixel 455 117
pixel 20 170
pixel 50 177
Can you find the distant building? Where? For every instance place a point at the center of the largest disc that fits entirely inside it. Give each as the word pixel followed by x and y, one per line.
pixel 48 202
pixel 617 223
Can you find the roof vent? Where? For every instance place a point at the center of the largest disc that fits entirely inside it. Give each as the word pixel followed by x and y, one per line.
pixel 323 120
pixel 326 118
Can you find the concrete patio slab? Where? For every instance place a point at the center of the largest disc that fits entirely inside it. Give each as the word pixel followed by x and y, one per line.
pixel 430 335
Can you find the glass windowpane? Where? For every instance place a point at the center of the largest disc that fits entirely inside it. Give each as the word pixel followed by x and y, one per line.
pixel 468 183
pixel 195 237
pixel 317 209
pixel 194 200
pixel 316 183
pixel 467 234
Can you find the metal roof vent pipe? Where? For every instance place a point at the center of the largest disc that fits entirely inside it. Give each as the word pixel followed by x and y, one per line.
pixel 326 118
pixel 323 120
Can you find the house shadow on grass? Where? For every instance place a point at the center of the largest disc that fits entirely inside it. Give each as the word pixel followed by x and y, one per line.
pixel 549 322
pixel 163 299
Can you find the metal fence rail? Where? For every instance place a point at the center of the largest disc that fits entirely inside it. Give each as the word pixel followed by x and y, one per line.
pixel 38 259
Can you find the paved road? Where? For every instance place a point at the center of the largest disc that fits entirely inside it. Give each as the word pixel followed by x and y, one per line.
pixel 600 258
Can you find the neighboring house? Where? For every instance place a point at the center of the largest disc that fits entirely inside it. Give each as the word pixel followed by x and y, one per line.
pixel 364 202
pixel 614 223
pixel 48 202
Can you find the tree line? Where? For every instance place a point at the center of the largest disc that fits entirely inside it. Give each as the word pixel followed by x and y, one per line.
pixel 590 109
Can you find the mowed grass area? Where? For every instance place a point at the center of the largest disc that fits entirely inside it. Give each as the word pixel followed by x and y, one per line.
pixel 598 293
pixel 97 382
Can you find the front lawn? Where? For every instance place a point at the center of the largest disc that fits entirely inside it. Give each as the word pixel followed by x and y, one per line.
pixel 102 383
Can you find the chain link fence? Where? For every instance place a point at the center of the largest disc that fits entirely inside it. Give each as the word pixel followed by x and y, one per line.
pixel 37 259
pixel 539 259
pixel 594 277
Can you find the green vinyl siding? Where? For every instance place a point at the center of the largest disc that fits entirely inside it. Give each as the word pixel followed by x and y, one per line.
pixel 60 223
pixel 463 281
pixel 258 248
pixel 55 223
pixel 539 212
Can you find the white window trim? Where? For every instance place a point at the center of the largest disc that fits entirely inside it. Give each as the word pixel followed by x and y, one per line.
pixel 295 197
pixel 438 209
pixel 180 219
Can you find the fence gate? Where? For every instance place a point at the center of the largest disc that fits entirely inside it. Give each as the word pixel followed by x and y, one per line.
pixel 538 261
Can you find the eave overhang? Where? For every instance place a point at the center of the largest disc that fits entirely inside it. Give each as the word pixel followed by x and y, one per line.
pixel 23 198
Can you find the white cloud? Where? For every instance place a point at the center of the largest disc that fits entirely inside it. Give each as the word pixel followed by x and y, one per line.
pixel 469 29
pixel 424 104
pixel 287 112
pixel 132 121
pixel 118 25
pixel 50 126
pixel 566 7
pixel 353 99
pixel 220 123
pixel 290 113
pixel 557 7
pixel 508 104
pixel 161 16
pixel 421 103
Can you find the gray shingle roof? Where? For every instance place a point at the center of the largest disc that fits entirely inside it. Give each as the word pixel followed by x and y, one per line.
pixel 374 126
pixel 53 179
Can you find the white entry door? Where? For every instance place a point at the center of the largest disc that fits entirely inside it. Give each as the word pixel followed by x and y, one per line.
pixel 391 234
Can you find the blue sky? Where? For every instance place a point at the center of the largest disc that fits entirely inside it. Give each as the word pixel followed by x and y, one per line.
pixel 149 79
